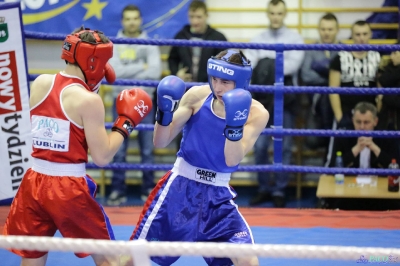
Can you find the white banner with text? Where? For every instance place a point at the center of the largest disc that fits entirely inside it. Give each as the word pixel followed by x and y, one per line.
pixel 15 126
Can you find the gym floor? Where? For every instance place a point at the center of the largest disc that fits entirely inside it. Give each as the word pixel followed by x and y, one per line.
pixel 299 223
pixel 269 226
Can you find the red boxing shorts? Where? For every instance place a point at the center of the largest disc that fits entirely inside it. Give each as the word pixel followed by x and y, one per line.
pixel 47 203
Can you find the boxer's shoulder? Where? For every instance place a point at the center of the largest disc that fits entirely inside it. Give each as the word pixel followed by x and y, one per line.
pixel 40 88
pixel 200 90
pixel 258 113
pixel 257 106
pixel 196 95
pixel 43 80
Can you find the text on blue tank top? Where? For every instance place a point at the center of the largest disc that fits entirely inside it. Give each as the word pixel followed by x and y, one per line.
pixel 203 141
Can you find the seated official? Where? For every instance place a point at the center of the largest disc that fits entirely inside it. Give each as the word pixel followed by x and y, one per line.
pixel 364 152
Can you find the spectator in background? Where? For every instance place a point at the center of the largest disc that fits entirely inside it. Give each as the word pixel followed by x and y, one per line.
pixel 185 62
pixel 389 108
pixel 134 62
pixel 315 72
pixel 389 105
pixel 385 18
pixel 352 69
pixel 315 68
pixel 277 33
pixel 364 152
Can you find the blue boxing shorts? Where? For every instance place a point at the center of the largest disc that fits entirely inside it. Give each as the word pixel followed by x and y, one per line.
pixel 194 205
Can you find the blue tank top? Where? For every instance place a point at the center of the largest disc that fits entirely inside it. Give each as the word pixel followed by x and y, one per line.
pixel 203 141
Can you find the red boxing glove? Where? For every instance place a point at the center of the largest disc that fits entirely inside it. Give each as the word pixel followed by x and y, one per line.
pixel 109 73
pixel 132 107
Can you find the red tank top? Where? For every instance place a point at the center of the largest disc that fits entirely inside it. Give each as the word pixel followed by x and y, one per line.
pixel 55 137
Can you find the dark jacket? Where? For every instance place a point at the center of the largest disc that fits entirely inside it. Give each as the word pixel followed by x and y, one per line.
pixel 264 74
pixel 389 116
pixel 388 147
pixel 180 57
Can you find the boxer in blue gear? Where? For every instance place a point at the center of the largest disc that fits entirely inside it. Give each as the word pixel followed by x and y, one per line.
pixel 220 122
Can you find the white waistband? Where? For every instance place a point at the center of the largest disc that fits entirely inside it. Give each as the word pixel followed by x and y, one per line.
pixel 206 176
pixel 59 169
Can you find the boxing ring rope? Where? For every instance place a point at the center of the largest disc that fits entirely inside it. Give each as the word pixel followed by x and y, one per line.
pixel 278 90
pixel 205 249
pixel 223 44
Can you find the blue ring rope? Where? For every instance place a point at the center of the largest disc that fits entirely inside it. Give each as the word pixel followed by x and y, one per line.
pixel 302 132
pixel 257 168
pixel 264 88
pixel 225 44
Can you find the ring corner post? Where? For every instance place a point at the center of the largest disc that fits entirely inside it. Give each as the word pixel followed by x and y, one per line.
pixel 278 104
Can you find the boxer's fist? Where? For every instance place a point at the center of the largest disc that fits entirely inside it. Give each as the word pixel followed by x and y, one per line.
pixel 169 91
pixel 237 108
pixel 132 107
pixel 109 73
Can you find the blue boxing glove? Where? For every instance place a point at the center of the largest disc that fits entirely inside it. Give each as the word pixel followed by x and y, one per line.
pixel 169 91
pixel 237 108
pixel 321 67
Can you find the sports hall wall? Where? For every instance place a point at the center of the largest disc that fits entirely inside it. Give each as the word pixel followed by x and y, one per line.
pixel 238 26
pixel 296 16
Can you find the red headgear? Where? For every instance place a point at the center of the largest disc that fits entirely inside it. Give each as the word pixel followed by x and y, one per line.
pixel 91 57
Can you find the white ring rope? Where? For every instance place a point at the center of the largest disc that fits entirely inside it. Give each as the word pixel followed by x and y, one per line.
pixel 205 249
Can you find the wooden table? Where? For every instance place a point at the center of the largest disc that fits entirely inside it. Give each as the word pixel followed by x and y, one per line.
pixel 350 189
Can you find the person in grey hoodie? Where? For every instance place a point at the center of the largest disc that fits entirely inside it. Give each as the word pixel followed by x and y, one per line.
pixel 276 33
pixel 141 62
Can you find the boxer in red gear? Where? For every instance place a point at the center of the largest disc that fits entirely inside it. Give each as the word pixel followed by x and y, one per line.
pixel 67 120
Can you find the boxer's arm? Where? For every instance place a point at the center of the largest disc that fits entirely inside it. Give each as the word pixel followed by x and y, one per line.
pixel 102 146
pixel 236 150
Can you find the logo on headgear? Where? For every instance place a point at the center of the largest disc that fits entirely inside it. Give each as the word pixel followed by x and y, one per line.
pixel 67 46
pixel 241 115
pixel 3 30
pixel 221 69
pixel 141 108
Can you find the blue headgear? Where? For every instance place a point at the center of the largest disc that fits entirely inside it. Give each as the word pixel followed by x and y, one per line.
pixel 222 68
